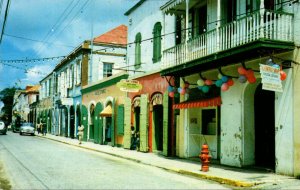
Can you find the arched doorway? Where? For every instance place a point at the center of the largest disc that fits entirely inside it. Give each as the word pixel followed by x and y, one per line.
pixel 65 121
pixel 136 113
pixel 264 114
pixel 49 121
pixel 108 127
pixel 91 122
pixel 78 118
pixel 157 122
pixel 72 122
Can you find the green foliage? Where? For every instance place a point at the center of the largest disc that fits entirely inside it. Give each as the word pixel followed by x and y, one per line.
pixel 7 97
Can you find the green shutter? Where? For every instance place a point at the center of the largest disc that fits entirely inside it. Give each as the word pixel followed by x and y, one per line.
pixel 165 123
pixel 138 40
pixel 144 123
pixel 120 120
pixel 127 123
pixel 97 122
pixel 84 122
pixel 113 123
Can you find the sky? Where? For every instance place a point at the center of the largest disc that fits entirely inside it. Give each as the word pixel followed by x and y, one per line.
pixel 39 32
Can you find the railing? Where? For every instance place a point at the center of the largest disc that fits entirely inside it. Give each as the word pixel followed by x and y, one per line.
pixel 265 24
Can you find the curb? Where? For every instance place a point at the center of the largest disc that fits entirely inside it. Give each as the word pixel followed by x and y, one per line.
pixel 221 180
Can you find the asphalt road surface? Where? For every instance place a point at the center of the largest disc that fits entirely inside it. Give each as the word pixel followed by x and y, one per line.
pixel 37 163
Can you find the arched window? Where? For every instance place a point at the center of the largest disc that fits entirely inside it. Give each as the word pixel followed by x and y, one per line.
pixel 157 42
pixel 138 40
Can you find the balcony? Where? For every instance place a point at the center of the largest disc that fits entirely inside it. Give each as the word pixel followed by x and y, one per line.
pixel 265 30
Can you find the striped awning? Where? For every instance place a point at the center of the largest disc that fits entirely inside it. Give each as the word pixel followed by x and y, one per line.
pixel 199 103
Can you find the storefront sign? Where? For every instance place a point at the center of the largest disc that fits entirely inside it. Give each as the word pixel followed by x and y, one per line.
pixel 270 78
pixel 67 101
pixel 129 85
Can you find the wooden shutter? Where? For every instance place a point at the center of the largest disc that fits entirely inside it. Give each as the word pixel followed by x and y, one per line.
pixel 120 120
pixel 84 122
pixel 97 123
pixel 144 123
pixel 127 123
pixel 165 123
pixel 113 123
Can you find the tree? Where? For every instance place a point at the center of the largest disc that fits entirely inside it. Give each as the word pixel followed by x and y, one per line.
pixel 7 97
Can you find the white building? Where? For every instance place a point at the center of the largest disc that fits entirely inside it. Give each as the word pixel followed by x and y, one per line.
pixel 244 125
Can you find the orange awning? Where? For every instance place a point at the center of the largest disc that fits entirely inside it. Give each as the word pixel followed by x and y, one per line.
pixel 199 103
pixel 106 112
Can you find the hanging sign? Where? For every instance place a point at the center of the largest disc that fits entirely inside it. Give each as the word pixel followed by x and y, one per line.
pixel 129 85
pixel 270 78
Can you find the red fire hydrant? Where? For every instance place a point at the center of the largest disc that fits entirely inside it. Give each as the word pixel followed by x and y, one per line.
pixel 205 158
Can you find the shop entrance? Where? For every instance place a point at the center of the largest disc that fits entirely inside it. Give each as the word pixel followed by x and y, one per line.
pixel 72 122
pixel 158 126
pixel 264 128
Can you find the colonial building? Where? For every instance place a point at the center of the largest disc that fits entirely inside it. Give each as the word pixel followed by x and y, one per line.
pixel 102 100
pixel 68 80
pixel 147 109
pixel 235 63
pixel 45 104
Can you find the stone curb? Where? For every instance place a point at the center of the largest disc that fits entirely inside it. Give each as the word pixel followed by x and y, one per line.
pixel 236 183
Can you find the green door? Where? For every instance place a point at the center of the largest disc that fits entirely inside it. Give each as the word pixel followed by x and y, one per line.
pixel 84 122
pixel 97 123
pixel 165 123
pixel 113 123
pixel 144 123
pixel 127 123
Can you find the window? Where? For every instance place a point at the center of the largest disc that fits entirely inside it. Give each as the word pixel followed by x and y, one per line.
pixel 209 122
pixel 72 76
pixel 138 40
pixel 107 69
pixel 78 72
pixel 49 87
pixel 157 42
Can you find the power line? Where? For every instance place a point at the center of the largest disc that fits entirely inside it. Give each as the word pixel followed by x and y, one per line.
pixel 23 38
pixel 5 18
pixel 31 60
pixel 59 22
pixel 24 69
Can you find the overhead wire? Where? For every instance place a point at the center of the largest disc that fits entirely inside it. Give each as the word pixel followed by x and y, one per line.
pixel 59 22
pixel 34 40
pixel 5 19
pixel 128 44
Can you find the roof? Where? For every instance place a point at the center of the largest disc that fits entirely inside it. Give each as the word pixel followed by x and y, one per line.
pixel 134 7
pixel 116 36
pixel 34 88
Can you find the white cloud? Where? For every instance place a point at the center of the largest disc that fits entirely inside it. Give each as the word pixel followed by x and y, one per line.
pixel 36 73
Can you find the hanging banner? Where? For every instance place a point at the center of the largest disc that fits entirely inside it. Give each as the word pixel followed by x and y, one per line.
pixel 270 78
pixel 127 85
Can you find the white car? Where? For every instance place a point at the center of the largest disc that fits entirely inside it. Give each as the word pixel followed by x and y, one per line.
pixel 27 128
pixel 3 128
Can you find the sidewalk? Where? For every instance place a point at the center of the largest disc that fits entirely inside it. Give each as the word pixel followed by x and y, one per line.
pixel 238 177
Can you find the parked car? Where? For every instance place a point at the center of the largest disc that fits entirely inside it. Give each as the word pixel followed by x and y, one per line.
pixel 3 128
pixel 27 128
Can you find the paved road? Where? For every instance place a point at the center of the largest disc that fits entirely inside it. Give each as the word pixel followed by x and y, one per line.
pixel 38 163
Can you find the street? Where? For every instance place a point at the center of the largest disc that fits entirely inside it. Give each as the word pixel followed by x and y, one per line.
pixel 36 163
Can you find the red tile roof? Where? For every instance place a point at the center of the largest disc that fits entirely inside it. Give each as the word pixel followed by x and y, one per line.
pixel 116 36
pixel 32 88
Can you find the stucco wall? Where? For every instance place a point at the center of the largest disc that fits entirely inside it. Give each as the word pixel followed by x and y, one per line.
pixel 231 125
pixel 143 20
pixel 296 74
pixel 284 127
pixel 101 95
